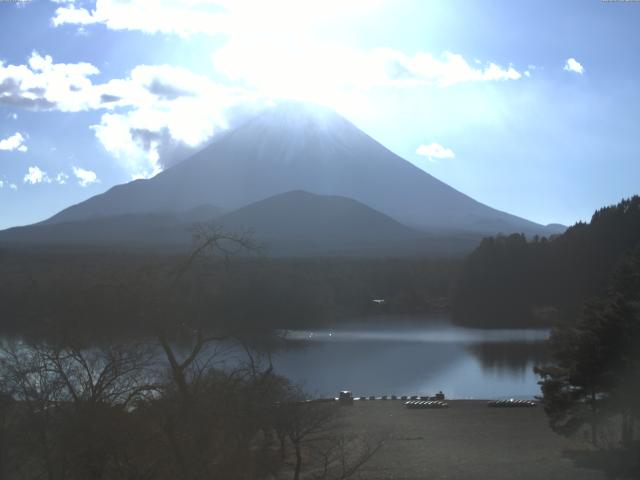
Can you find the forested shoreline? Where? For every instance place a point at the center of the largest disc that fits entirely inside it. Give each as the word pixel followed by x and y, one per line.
pixel 109 291
pixel 508 281
pixel 515 281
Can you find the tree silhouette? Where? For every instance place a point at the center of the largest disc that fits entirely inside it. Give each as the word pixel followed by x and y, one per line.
pixel 508 280
pixel 595 372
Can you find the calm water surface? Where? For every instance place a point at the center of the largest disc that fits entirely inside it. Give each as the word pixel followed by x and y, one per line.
pixel 410 355
pixel 404 355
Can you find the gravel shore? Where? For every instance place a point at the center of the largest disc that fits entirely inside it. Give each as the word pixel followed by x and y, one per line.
pixel 468 440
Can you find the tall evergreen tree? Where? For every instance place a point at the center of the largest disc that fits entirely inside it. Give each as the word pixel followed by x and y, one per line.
pixel 595 372
pixel 508 280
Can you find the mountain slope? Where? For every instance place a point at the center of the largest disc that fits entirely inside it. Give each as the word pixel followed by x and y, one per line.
pixel 299 222
pixel 294 223
pixel 124 230
pixel 299 147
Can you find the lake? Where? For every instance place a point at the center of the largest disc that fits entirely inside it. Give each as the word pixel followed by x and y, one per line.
pixel 404 355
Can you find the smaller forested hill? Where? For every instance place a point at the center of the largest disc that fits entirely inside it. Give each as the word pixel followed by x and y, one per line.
pixel 511 281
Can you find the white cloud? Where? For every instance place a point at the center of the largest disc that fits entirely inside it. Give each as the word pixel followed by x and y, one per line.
pixel 434 151
pixel 307 71
pixel 11 186
pixel 14 142
pixel 446 70
pixel 85 177
pixel 167 110
pixel 5 183
pixel 171 111
pixel 61 178
pixel 140 140
pixel 160 113
pixel 213 17
pixel 35 175
pixel 572 65
pixel 150 16
pixel 44 85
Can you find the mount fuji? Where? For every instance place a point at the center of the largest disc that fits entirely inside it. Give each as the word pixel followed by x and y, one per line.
pixel 290 147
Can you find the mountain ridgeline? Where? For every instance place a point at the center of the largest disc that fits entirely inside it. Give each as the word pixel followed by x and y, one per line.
pixel 297 223
pixel 509 280
pixel 304 180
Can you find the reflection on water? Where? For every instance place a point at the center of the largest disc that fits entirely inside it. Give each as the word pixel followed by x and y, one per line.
pixel 440 333
pixel 402 357
pixel 410 358
pixel 509 358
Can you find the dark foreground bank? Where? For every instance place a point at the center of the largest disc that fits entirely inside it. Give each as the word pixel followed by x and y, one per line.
pixel 466 441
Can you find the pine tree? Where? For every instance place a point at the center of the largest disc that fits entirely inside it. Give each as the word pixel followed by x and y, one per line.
pixel 595 372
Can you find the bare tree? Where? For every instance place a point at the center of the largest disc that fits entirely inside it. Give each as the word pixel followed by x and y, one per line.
pixel 322 442
pixel 69 403
pixel 210 241
pixel 342 455
pixel 194 431
pixel 171 408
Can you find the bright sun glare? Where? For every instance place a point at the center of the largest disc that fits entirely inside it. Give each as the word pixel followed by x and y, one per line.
pixel 260 52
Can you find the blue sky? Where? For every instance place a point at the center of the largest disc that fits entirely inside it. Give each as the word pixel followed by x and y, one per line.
pixel 529 107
